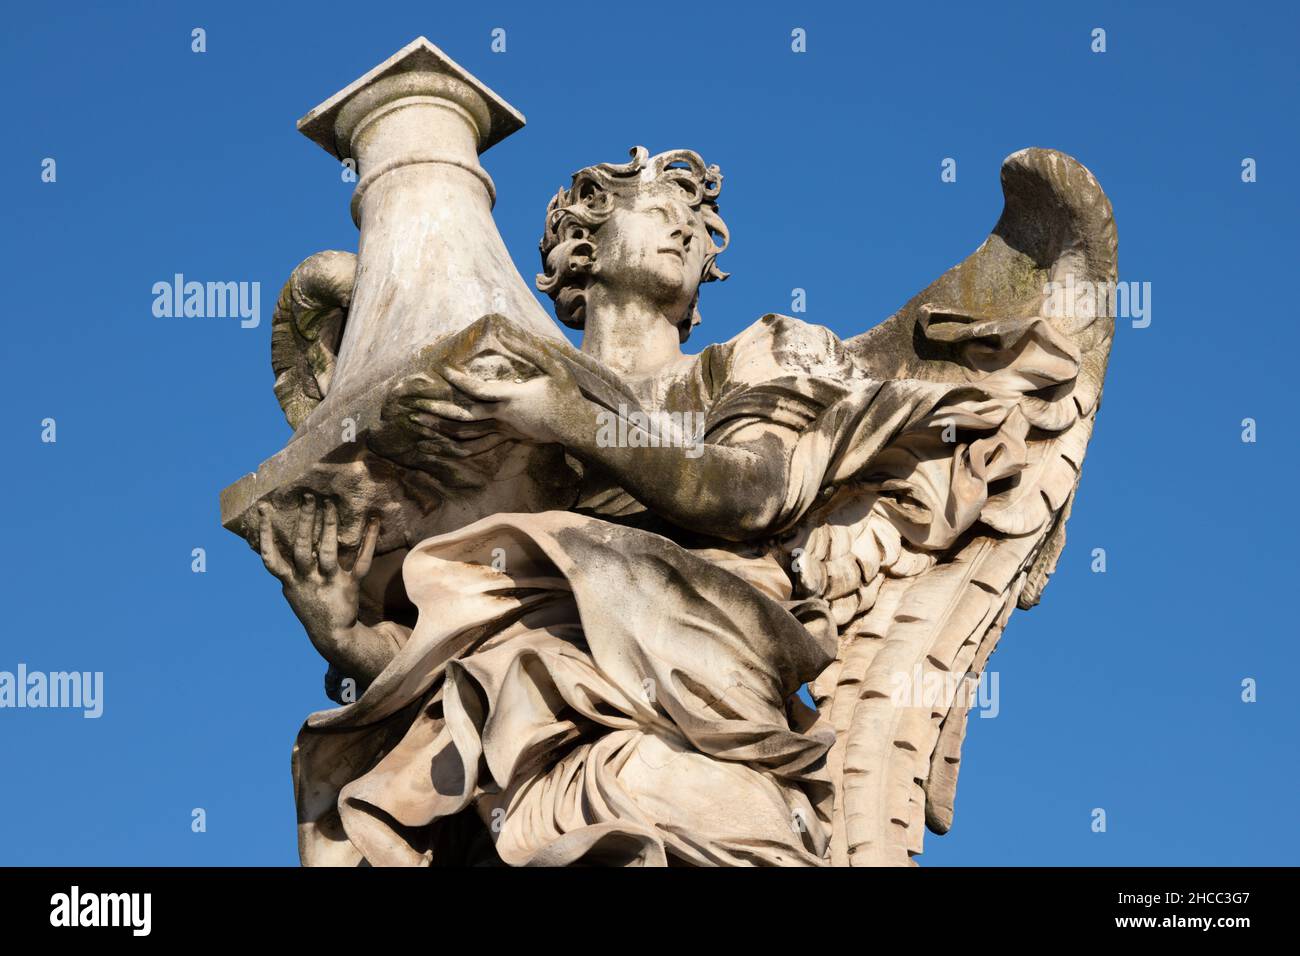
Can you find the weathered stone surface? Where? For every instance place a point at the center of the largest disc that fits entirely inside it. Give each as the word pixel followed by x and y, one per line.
pixel 568 597
pixel 348 329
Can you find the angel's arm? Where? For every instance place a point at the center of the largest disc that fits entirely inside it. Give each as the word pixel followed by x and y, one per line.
pixel 324 595
pixel 732 491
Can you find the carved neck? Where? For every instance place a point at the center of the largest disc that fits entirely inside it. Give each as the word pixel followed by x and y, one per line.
pixel 627 334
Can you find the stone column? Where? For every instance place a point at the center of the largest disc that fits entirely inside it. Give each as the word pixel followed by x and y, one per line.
pixel 430 259
pixel 430 262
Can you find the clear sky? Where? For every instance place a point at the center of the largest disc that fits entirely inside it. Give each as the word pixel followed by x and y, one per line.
pixel 1122 691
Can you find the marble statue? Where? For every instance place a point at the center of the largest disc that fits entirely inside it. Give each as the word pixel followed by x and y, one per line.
pixel 569 597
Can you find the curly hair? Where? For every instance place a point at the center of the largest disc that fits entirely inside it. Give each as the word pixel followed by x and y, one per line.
pixel 576 214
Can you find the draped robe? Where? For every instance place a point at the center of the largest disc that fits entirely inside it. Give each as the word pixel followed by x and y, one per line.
pixel 579 688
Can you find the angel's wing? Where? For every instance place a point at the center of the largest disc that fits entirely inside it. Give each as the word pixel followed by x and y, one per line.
pixel 307 328
pixel 962 520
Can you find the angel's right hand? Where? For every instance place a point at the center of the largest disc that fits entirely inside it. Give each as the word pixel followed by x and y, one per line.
pixel 425 405
pixel 323 594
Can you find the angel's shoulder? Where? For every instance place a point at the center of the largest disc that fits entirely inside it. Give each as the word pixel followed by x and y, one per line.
pixel 779 345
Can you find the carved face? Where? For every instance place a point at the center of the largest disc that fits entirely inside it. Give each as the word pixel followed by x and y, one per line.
pixel 654 245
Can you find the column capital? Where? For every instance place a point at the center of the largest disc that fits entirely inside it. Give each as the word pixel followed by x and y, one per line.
pixel 418 69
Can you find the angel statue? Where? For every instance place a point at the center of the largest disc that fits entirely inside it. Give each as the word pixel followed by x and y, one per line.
pixel 617 681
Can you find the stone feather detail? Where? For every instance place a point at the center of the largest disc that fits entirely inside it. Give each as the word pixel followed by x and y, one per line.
pixel 962 519
pixel 307 328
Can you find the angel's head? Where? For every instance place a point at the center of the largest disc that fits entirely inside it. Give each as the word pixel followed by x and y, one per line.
pixel 648 228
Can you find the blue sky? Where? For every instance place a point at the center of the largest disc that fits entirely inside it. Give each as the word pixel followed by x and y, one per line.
pixel 1121 691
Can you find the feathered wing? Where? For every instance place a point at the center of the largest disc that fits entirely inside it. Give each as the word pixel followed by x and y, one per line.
pixel 307 328
pixel 925 553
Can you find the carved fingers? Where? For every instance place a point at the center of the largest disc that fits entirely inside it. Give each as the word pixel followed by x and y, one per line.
pixel 436 443
pixel 366 553
pixel 477 388
pixel 459 414
pixel 304 535
pixel 315 554
pixel 430 417
pixel 327 549
pixel 270 553
pixel 453 429
pixel 443 410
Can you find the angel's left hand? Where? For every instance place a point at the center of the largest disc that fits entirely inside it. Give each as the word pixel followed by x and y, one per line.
pixel 533 408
